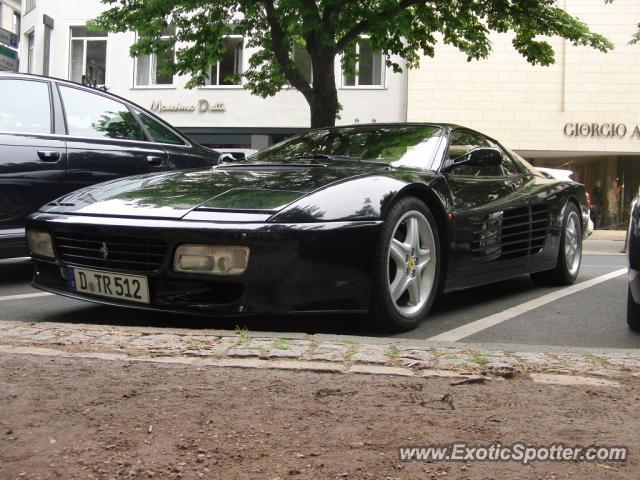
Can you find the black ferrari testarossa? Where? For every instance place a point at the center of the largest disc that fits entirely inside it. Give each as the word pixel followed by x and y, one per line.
pixel 368 218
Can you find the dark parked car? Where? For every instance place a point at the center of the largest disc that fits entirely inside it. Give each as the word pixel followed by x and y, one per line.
pixel 633 253
pixel 58 136
pixel 370 218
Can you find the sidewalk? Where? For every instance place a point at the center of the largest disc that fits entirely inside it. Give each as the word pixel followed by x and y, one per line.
pixel 103 402
pixel 618 235
pixel 321 353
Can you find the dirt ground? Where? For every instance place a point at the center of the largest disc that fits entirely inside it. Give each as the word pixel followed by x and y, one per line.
pixel 80 418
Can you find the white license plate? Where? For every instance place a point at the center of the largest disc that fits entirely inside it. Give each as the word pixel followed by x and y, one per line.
pixel 133 288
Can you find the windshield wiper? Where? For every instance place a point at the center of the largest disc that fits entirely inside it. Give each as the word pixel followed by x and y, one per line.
pixel 311 156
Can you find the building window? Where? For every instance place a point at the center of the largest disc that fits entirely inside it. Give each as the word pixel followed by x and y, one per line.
pixel 223 72
pixel 31 40
pixel 29 5
pixel 369 67
pixel 17 20
pixel 149 68
pixel 88 56
pixel 302 60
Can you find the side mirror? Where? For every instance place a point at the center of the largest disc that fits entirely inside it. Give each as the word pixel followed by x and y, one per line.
pixel 226 158
pixel 478 157
pixel 485 157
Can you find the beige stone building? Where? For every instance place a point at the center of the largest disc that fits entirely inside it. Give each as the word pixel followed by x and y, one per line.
pixel 10 15
pixel 580 114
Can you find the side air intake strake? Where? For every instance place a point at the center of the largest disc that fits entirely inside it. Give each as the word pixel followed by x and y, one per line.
pixel 518 232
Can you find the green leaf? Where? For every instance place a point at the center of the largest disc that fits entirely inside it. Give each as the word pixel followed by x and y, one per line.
pixel 407 29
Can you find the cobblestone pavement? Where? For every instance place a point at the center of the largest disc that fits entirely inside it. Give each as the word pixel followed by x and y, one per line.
pixel 317 353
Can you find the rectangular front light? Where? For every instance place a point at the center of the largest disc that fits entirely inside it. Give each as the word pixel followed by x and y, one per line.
pixel 211 259
pixel 40 243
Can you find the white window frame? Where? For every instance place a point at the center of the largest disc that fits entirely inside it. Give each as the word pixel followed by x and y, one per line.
pixel 71 38
pixel 29 5
pixel 16 15
pixel 31 44
pixel 383 73
pixel 243 66
pixel 152 68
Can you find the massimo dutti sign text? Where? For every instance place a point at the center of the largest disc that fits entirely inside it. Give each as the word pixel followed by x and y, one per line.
pixel 601 130
pixel 203 106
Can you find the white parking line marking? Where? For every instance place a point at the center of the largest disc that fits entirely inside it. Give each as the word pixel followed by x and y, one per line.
pixel 459 333
pixel 24 296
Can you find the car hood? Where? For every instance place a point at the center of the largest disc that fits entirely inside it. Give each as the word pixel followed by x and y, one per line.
pixel 243 187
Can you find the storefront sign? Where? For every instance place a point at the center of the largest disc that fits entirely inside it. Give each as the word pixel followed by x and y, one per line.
pixel 601 130
pixel 8 59
pixel 203 106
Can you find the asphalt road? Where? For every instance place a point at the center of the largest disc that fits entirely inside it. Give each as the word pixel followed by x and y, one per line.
pixel 590 314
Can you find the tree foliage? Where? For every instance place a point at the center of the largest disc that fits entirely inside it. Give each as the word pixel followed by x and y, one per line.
pixel 403 29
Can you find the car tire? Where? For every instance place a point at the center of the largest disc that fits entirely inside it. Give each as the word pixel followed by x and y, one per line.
pixel 569 253
pixel 406 267
pixel 633 312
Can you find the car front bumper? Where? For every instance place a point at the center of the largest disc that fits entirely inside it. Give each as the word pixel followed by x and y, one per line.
pixel 293 268
pixel 13 243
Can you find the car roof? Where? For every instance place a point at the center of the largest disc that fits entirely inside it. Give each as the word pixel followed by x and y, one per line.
pixel 71 83
pixel 89 88
pixel 450 126
pixel 447 127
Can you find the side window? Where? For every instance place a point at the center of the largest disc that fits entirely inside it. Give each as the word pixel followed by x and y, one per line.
pixel 26 106
pixel 159 132
pixel 92 115
pixel 462 142
pixel 508 166
pixel 526 166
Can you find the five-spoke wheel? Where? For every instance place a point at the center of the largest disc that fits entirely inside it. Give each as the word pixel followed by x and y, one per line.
pixel 407 266
pixel 569 253
pixel 411 262
pixel 572 243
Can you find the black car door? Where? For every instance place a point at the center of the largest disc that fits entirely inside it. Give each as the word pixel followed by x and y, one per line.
pixel 491 212
pixel 105 141
pixel 181 154
pixel 33 158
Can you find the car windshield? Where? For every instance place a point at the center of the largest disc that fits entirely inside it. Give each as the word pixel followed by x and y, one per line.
pixel 396 145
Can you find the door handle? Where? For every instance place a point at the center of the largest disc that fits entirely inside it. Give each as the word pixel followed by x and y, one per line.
pixel 49 155
pixel 154 161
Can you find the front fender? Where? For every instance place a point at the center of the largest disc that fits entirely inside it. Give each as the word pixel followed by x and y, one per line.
pixel 362 198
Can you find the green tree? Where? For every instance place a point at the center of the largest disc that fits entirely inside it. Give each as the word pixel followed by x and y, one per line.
pixel 329 28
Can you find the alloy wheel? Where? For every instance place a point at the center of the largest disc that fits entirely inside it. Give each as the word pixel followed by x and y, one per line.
pixel 572 244
pixel 411 261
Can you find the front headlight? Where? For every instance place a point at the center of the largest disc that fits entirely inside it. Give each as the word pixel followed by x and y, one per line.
pixel 40 243
pixel 211 259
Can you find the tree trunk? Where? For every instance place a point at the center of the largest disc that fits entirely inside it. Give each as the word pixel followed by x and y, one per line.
pixel 323 102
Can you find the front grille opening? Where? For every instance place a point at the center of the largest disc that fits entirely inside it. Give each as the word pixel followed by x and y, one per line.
pixel 117 251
